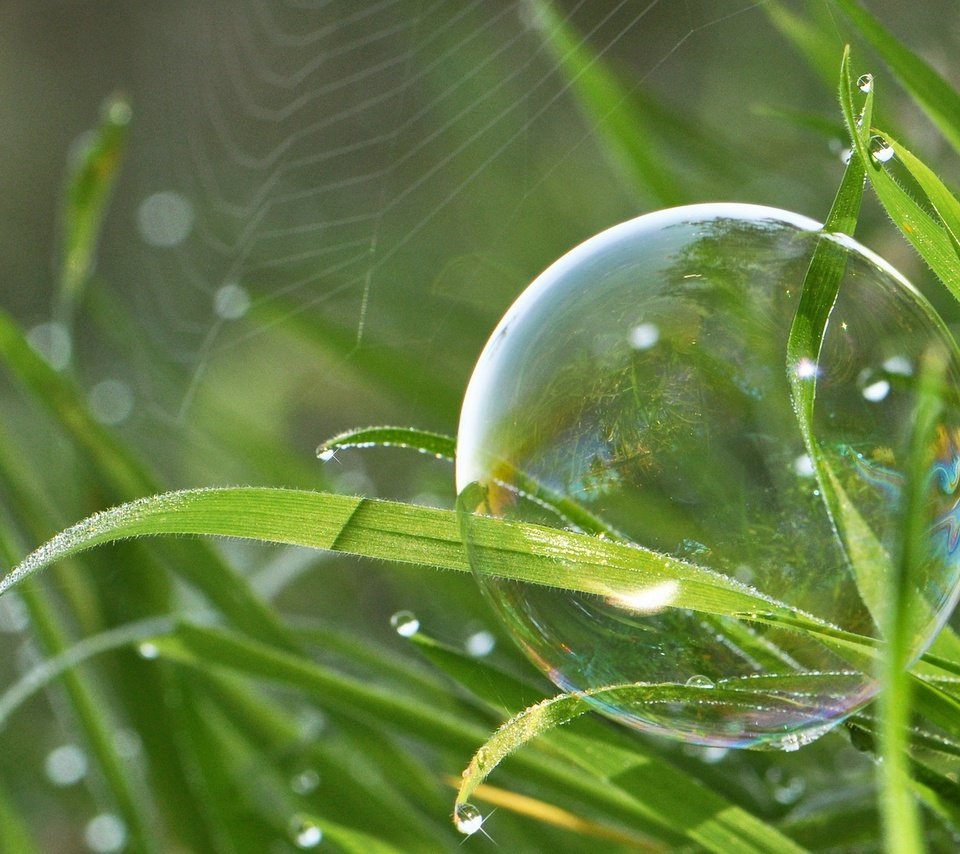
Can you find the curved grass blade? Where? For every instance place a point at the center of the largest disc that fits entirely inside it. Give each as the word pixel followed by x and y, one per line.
pixel 609 108
pixel 943 201
pixel 927 88
pixel 930 239
pixel 901 818
pixel 557 711
pixel 94 171
pixel 411 534
pixel 435 444
pixel 549 814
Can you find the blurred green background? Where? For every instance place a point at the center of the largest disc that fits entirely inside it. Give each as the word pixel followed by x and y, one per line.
pixel 321 212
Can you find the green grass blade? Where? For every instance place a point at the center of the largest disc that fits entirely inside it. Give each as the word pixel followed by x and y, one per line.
pixel 94 171
pixel 902 827
pixel 927 88
pixel 126 477
pixel 609 108
pixel 14 833
pixel 931 240
pixel 943 201
pixel 435 444
pixel 410 534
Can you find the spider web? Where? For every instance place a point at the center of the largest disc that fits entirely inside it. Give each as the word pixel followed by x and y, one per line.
pixel 395 171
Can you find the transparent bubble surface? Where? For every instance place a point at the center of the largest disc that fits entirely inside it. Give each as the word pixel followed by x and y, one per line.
pixel 643 378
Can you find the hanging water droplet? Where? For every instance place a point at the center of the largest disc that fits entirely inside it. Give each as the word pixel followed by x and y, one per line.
pixel 880 151
pixel 875 392
pixel 865 82
pixel 845 155
pixel 467 819
pixel 405 623
pixel 305 782
pixel 305 832
pixel 699 681
pixel 325 454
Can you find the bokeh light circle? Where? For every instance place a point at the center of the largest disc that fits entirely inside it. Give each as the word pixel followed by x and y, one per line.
pixel 643 378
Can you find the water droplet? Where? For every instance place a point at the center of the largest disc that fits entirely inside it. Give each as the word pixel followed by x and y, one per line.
pixel 644 336
pixel 231 301
pixel 699 681
pixel 845 155
pixel 713 755
pixel 467 819
pixel 305 781
pixel 110 402
pixel 53 343
pixel 405 623
pixel 148 650
pixel 65 765
pixel 306 833
pixel 865 82
pixel 325 454
pixel 480 644
pixel 105 833
pixel 880 151
pixel 165 219
pixel 661 448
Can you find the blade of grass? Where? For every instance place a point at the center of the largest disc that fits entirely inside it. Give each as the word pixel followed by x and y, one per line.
pixel 902 828
pixel 928 238
pixel 127 478
pixel 435 444
pixel 927 88
pixel 411 534
pixel 93 716
pixel 609 109
pixel 14 833
pixel 546 813
pixel 623 763
pixel 719 826
pixel 94 171
pixel 943 201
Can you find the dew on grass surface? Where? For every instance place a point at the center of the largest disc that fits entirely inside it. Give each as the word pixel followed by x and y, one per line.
pixel 689 436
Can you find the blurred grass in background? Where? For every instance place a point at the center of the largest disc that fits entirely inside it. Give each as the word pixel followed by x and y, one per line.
pixel 320 213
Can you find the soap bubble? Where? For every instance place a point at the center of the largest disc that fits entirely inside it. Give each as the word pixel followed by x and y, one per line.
pixel 688 436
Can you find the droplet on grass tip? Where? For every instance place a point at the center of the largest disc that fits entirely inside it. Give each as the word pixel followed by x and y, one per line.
pixel 306 833
pixel 325 454
pixel 467 819
pixel 865 82
pixel 689 446
pixel 405 623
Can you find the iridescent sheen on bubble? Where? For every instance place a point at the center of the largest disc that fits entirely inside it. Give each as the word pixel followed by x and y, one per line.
pixel 643 378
